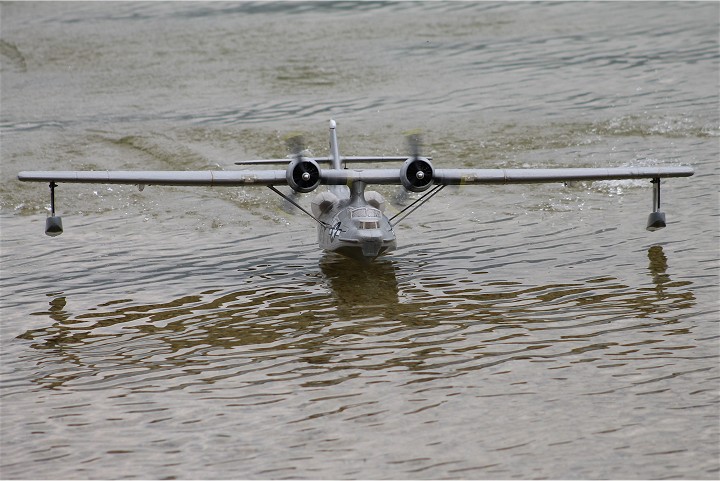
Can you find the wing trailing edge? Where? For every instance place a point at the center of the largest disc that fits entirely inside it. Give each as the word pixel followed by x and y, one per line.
pixel 328 160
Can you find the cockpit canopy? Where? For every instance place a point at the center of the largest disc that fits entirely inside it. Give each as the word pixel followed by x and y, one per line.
pixel 366 217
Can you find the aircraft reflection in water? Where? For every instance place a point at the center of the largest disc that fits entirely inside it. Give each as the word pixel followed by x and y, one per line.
pixel 365 326
pixel 658 268
pixel 351 221
pixel 373 286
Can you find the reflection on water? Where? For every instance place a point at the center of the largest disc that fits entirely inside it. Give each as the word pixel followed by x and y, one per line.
pixel 357 286
pixel 658 266
pixel 310 366
pixel 370 321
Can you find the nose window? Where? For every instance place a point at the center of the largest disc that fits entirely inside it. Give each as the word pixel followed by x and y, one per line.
pixel 369 225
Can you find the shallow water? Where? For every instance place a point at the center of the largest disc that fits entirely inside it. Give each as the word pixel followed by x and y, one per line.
pixel 517 332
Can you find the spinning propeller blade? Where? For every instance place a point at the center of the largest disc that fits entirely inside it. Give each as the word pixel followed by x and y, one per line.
pixel 303 174
pixel 417 172
pixel 295 144
pixel 414 141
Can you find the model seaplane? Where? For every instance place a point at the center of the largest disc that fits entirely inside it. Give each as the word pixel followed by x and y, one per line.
pixel 350 220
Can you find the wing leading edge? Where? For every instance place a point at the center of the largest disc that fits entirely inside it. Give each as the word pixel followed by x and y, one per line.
pixel 529 176
pixel 345 176
pixel 506 176
pixel 170 177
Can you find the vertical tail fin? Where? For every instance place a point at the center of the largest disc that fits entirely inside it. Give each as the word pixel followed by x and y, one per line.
pixel 334 150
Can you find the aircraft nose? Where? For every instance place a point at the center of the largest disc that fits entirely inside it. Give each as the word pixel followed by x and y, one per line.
pixel 372 248
pixel 371 242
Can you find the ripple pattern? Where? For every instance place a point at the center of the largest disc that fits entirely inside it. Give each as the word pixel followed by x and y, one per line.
pixel 518 331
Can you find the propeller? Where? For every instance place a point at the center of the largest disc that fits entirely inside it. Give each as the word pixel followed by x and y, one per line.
pixel 303 173
pixel 417 171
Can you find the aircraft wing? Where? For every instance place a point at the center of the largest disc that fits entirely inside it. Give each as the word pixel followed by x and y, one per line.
pixel 227 178
pixel 506 176
pixel 169 177
pixel 529 176
pixel 345 176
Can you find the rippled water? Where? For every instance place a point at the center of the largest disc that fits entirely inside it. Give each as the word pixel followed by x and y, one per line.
pixel 517 332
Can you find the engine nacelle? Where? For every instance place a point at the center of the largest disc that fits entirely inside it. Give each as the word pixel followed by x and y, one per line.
pixel 416 174
pixel 303 175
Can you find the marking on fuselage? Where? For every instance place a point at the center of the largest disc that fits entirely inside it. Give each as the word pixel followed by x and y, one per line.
pixel 335 231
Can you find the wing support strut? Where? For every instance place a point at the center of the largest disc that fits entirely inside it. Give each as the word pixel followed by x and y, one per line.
pixel 52 198
pixel 415 205
pixel 53 224
pixel 656 219
pixel 271 187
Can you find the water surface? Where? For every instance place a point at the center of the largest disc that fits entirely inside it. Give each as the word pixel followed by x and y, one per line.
pixel 517 332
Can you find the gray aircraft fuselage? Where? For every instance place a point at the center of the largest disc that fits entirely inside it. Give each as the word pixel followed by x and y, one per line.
pixel 353 222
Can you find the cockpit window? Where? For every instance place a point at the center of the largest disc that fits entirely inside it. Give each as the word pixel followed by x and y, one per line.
pixel 366 217
pixel 365 212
